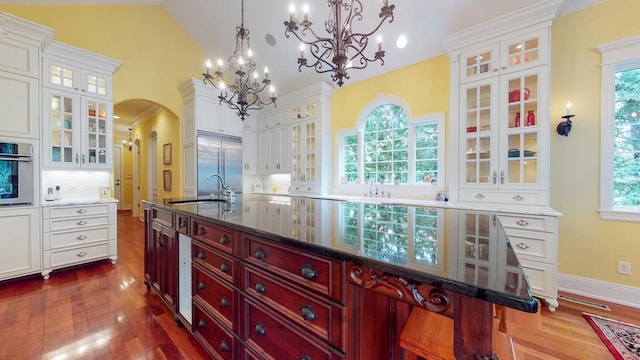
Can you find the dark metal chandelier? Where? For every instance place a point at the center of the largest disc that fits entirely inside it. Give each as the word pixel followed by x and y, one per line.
pixel 344 49
pixel 244 93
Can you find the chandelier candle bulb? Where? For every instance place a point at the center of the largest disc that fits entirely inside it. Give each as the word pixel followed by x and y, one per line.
pixel 379 42
pixel 568 108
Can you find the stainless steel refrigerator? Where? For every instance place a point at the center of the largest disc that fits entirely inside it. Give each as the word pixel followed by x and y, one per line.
pixel 219 154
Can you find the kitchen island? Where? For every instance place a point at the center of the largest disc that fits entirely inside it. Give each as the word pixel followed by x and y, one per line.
pixel 275 277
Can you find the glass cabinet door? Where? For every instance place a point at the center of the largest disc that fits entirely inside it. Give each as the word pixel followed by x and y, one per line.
pixel 310 152
pixel 479 253
pixel 524 52
pixel 479 116
pixel 97 126
pixel 521 139
pixel 63 129
pixel 296 152
pixel 479 64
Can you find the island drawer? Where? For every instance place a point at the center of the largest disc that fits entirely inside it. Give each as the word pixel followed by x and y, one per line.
pixel 527 222
pixel 267 332
pixel 536 246
pixel 313 272
pixel 215 261
pixel 316 315
pixel 165 217
pixel 220 343
pixel 219 237
pixel 182 224
pixel 220 298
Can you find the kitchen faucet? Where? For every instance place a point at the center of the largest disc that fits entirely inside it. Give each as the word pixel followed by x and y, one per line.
pixel 228 193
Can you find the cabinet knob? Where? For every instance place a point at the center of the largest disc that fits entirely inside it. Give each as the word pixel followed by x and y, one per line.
pixel 260 330
pixel 260 288
pixel 202 255
pixel 224 347
pixel 479 196
pixel 523 246
pixel 308 272
pixel 202 231
pixel 202 323
pixel 82 254
pixel 307 313
pixel 224 267
pixel 161 240
pixel 81 222
pixel 224 240
pixel 518 198
pixel 81 211
pixel 224 302
pixel 522 222
pixel 202 285
pixel 260 254
pixel 183 223
pixel 81 237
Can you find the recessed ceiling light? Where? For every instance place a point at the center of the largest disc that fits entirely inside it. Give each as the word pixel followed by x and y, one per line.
pixel 401 42
pixel 116 117
pixel 270 39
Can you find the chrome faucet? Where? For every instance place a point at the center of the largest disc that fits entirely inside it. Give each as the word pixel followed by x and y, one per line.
pixel 228 193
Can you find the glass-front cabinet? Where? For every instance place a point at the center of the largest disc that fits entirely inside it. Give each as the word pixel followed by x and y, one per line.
pixel 303 156
pixel 78 124
pixel 504 122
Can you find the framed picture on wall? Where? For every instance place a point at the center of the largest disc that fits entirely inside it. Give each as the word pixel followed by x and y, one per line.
pixel 167 180
pixel 166 154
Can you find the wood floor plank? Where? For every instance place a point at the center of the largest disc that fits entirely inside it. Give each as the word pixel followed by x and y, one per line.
pixel 107 312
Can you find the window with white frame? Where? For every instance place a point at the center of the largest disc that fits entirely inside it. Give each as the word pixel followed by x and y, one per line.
pixel 620 143
pixel 390 148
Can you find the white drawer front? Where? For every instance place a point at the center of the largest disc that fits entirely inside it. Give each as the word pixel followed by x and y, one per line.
pixel 526 222
pixel 75 238
pixel 542 278
pixel 78 223
pixel 61 258
pixel 56 212
pixel 503 197
pixel 535 246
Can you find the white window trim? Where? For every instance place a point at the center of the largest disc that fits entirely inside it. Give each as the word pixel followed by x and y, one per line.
pixel 615 56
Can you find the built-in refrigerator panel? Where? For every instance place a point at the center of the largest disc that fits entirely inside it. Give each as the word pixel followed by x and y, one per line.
pixel 219 154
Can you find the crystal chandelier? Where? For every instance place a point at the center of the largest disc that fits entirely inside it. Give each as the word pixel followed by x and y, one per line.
pixel 244 93
pixel 344 49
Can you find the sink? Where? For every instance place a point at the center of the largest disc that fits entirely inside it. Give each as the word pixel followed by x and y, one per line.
pixel 195 201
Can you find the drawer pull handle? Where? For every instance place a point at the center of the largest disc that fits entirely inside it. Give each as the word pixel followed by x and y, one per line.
pixel 202 323
pixel 202 255
pixel 523 246
pixel 224 240
pixel 522 222
pixel 480 196
pixel 81 211
pixel 260 330
pixel 82 254
pixel 81 222
pixel 183 223
pixel 202 231
pixel 260 254
pixel 308 272
pixel 306 357
pixel 81 237
pixel 260 288
pixel 160 240
pixel 518 198
pixel 224 347
pixel 224 302
pixel 224 267
pixel 202 285
pixel 307 313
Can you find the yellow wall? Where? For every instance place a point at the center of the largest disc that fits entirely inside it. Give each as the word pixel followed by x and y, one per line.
pixel 588 246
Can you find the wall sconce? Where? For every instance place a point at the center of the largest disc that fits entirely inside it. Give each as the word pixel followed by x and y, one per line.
pixel 128 144
pixel 564 127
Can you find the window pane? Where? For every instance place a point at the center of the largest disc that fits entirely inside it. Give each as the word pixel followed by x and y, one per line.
pixel 386 136
pixel 626 173
pixel 350 158
pixel 426 153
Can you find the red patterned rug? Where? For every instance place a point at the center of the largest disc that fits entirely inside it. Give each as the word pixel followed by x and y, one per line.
pixel 622 339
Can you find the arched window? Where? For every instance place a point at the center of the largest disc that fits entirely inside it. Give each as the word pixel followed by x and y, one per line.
pixel 390 148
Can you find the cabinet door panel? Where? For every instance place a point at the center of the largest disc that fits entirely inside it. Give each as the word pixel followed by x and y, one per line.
pixel 19 105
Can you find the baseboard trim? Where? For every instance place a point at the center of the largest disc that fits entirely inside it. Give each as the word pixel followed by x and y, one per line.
pixel 615 293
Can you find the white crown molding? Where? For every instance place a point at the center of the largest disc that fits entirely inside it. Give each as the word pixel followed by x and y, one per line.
pixel 539 15
pixel 11 25
pixel 70 54
pixel 600 290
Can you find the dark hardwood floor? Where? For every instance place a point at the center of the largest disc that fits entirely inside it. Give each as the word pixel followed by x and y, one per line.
pixel 104 311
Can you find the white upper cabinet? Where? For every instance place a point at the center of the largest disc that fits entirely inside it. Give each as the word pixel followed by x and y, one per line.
pixel 77 108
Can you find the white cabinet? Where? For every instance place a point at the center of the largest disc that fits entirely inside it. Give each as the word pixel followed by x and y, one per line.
pixel 275 217
pixel 305 155
pixel 274 147
pixel 500 109
pixel 20 46
pixel 77 108
pixel 78 234
pixel 307 217
pixel 20 252
pixel 249 152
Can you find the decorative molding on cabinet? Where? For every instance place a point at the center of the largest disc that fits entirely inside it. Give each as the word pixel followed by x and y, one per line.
pixel 59 51
pixel 11 25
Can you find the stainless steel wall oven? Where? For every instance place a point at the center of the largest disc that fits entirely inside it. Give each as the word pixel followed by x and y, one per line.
pixel 16 173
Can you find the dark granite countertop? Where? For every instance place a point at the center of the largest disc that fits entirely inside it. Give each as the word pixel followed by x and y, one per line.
pixel 462 251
